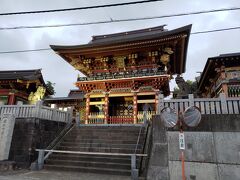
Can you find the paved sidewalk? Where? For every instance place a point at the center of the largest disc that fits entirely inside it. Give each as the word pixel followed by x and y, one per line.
pixel 56 175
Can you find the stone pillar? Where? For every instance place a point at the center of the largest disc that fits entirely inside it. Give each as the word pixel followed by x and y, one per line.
pixel 7 122
pixel 135 109
pixel 106 104
pixel 11 100
pixel 160 103
pixel 87 108
pixel 158 160
pixel 191 99
pixel 225 89
pixel 223 103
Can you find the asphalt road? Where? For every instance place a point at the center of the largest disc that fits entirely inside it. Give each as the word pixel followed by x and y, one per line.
pixel 55 175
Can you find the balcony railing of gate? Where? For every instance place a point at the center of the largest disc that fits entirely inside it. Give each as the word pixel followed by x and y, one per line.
pixel 120 120
pixel 148 114
pixel 96 118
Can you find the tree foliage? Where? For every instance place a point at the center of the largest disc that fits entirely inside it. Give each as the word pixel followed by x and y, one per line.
pixel 192 88
pixel 50 87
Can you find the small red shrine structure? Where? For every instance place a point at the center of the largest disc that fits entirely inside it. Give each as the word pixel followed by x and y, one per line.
pixel 126 71
pixel 26 86
pixel 221 74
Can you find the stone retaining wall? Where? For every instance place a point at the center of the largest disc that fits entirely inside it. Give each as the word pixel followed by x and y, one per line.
pixel 30 134
pixel 212 149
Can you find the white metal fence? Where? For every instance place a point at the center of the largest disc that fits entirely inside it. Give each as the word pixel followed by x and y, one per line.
pixel 37 111
pixel 221 105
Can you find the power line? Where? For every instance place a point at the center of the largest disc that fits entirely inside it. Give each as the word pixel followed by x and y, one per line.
pixel 194 33
pixel 79 8
pixel 120 20
pixel 215 30
pixel 27 50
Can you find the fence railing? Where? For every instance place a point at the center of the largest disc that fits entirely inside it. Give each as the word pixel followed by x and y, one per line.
pixel 221 105
pixel 37 111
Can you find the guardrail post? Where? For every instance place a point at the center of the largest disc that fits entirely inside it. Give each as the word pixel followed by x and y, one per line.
pixel 134 170
pixel 19 103
pixel 54 112
pixel 40 159
pixel 191 100
pixel 223 103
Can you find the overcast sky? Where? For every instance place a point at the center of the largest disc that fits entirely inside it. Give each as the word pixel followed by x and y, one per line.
pixel 56 70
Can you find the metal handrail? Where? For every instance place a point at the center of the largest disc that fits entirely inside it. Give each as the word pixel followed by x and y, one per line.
pixel 56 141
pixel 146 148
pixel 140 131
pixel 90 153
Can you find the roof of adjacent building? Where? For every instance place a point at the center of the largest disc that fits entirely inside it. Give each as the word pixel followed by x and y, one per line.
pixel 73 95
pixel 21 74
pixel 24 75
pixel 227 60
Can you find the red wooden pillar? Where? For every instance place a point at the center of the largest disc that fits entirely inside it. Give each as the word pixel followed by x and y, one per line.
pixel 87 108
pixel 106 104
pixel 156 102
pixel 11 99
pixel 135 110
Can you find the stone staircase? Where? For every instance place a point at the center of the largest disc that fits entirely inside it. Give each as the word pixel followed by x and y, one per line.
pixel 104 139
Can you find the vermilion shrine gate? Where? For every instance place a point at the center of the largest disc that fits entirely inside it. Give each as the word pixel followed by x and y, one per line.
pixel 126 71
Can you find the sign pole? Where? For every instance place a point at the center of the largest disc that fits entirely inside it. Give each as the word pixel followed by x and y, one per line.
pixel 182 145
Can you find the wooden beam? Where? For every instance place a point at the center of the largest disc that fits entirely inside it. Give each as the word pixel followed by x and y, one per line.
pixel 120 94
pixel 97 95
pixel 146 101
pixel 146 93
pixel 96 102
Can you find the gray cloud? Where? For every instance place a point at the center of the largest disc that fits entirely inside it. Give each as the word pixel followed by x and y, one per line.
pixel 58 71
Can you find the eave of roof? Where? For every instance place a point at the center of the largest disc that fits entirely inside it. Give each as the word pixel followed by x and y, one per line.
pixel 26 75
pixel 209 64
pixel 125 39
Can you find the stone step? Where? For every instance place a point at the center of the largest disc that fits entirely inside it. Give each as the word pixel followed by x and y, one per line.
pixel 112 165
pixel 96 158
pixel 107 141
pixel 96 145
pixel 108 127
pixel 107 134
pixel 84 137
pixel 101 135
pixel 108 130
pixel 88 169
pixel 99 149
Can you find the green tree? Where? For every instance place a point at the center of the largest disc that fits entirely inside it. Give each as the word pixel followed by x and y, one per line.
pixel 192 86
pixel 50 87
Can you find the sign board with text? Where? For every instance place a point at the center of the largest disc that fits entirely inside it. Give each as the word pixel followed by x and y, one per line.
pixel 7 122
pixel 181 141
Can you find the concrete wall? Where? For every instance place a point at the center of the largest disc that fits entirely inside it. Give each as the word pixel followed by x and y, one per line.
pixel 212 150
pixel 30 134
